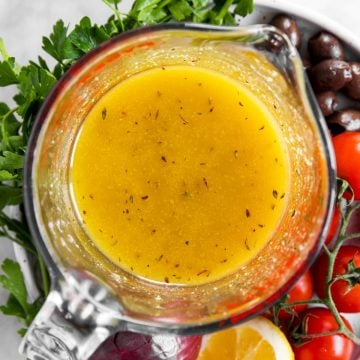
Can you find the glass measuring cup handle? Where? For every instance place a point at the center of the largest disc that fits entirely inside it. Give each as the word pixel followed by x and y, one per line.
pixel 72 324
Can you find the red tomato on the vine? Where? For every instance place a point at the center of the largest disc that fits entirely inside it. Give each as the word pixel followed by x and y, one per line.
pixel 302 290
pixel 347 152
pixel 334 225
pixel 354 224
pixel 328 347
pixel 346 298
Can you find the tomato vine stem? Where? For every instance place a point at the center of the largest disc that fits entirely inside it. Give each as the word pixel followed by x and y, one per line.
pixel 328 301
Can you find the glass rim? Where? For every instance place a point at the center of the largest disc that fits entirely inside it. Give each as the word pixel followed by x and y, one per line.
pixel 57 271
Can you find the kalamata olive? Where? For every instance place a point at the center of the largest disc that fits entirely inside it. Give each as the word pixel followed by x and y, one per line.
pixel 306 63
pixel 352 88
pixel 327 101
pixel 288 25
pixel 325 46
pixel 274 44
pixel 349 119
pixel 330 75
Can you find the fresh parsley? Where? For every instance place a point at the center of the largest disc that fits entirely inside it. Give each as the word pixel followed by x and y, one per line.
pixel 34 82
pixel 17 304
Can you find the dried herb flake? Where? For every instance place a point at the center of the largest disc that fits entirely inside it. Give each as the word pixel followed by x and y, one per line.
pixel 104 113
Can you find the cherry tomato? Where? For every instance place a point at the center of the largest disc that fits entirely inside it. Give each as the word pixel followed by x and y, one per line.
pixel 334 226
pixel 354 224
pixel 347 152
pixel 329 347
pixel 302 290
pixel 346 298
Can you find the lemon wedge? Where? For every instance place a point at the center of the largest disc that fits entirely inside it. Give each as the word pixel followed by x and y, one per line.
pixel 257 339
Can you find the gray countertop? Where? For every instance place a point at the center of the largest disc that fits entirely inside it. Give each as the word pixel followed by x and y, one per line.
pixel 22 25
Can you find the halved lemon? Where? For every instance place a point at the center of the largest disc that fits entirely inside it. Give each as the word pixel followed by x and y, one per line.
pixel 257 339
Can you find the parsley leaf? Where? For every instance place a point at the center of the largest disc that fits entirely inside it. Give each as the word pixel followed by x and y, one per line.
pixel 180 10
pixel 13 307
pixel 9 125
pixel 10 195
pixel 11 161
pixel 14 282
pixel 17 304
pixel 17 231
pixel 7 73
pixel 58 44
pixel 86 37
pixel 244 7
pixel 34 78
pixel 8 68
pixel 6 175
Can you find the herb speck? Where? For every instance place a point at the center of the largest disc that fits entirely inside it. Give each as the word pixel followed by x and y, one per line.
pixel 104 113
pixel 205 182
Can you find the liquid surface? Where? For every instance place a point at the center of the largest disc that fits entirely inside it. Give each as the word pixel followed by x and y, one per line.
pixel 179 175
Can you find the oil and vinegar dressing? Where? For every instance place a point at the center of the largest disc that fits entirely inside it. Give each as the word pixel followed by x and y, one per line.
pixel 179 175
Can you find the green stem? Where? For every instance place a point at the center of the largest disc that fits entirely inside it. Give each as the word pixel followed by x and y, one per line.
pixel 310 336
pixel 3 51
pixel 328 301
pixel 44 276
pixel 329 280
pixel 303 302
pixel 27 247
pixel 15 227
pixel 117 14
pixel 350 237
pixel 326 250
pixel 3 128
pixel 343 329
pixel 224 9
pixel 346 218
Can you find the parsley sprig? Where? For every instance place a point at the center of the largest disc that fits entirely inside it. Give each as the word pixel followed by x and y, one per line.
pixel 17 303
pixel 34 82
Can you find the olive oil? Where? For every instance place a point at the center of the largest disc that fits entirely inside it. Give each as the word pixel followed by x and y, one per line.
pixel 180 175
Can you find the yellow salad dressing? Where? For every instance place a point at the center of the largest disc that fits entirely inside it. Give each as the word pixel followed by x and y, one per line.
pixel 179 175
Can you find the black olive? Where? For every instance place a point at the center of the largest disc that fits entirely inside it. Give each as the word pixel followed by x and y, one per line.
pixel 330 75
pixel 349 119
pixel 288 25
pixel 352 89
pixel 325 46
pixel 327 101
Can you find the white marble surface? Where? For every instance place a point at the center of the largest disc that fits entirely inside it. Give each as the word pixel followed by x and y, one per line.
pixel 22 25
